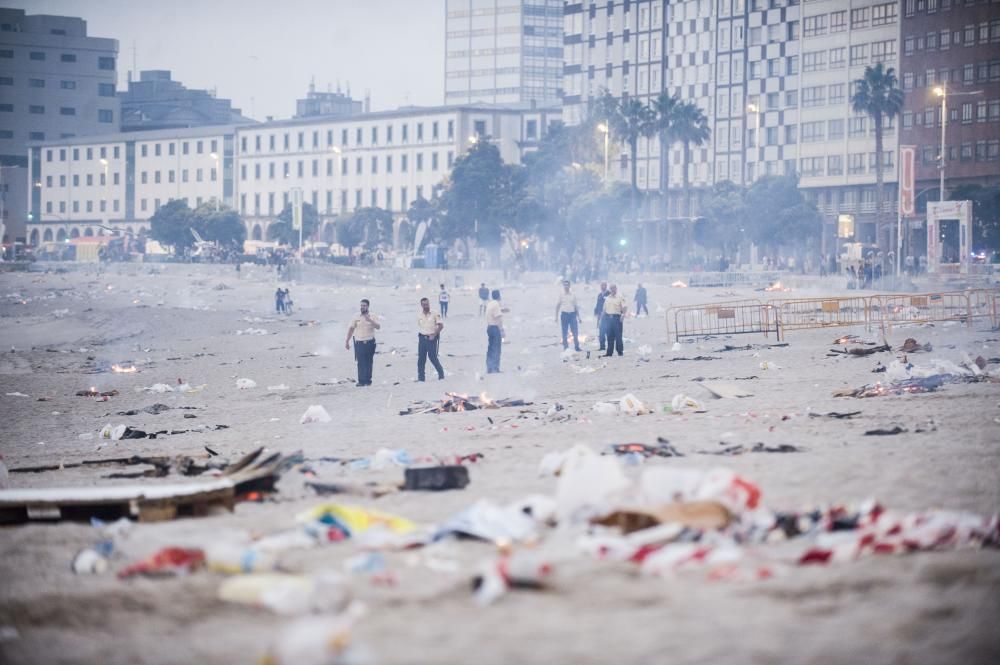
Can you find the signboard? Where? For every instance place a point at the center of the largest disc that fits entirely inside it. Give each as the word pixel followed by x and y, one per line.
pixel 907 202
pixel 949 230
pixel 297 208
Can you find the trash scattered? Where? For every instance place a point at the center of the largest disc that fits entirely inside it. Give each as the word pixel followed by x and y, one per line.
pixel 436 478
pixel 631 405
pixel 911 345
pixel 315 414
pixel 287 594
pixel 835 414
pixel 169 561
pixel 521 569
pixel 330 522
pixel 885 431
pixel 245 384
pixel 605 408
pixel 488 521
pixel 684 403
pixel 862 351
pixel 456 402
pixel 159 388
pixel 16 395
pixel 89 561
pixel 769 364
pixel 756 448
pixel 94 392
pixel 702 515
pixel 318 640
pixel 914 385
pixel 279 387
pixel 253 331
pixel 663 448
pixel 724 390
pixel 695 358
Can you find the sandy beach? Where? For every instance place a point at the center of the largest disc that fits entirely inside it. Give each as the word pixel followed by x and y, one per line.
pixel 179 324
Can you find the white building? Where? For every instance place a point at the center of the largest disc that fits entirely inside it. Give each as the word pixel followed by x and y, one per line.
pixel 503 51
pixel 88 185
pixel 774 78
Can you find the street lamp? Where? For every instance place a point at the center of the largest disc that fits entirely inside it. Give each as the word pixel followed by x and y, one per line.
pixel 605 127
pixel 218 174
pixel 942 92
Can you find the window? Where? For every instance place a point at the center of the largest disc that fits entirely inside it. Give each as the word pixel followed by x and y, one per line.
pixel 343 166
pixel 883 51
pixel 105 89
pixel 838 57
pixel 434 161
pixel 773 103
pixel 860 17
pixel 966 113
pixel 36 83
pixel 358 167
pixel 451 123
pixel 36 55
pixel 792 65
pixel 791 98
pixel 420 132
pixel 856 163
pixel 33 108
pixel 835 129
pixel 358 136
pixel 6 53
pixel 420 160
pixel 884 14
pixel 835 165
pixel 813 61
pixel 811 166
pixel 859 54
pixel 404 162
pixel 6 80
pixel 388 163
pixel 67 110
pixel 755 37
pixel 857 127
pixel 813 26
pixel 105 63
pixel 813 96
pixel 104 115
pixel 374 165
pixel 836 93
pixel 812 131
pixel 838 21
pixel 930 41
pixel 406 133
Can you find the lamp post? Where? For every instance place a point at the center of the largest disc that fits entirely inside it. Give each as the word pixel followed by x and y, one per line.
pixel 755 109
pixel 605 127
pixel 218 175
pixel 942 92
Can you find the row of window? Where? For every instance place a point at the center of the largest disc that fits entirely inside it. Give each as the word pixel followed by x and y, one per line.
pixel 387 163
pixel 88 153
pixel 103 62
pixel 911 7
pixel 386 200
pixel 199 148
pixel 89 179
pixel 987 31
pixel 88 206
pixel 858 163
pixel 199 176
pixel 980 151
pixel 103 115
pixel 103 89
pixel 968 74
pixel 969 112
pixel 359 136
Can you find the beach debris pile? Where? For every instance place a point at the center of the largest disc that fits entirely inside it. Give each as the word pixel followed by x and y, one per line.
pixel 457 402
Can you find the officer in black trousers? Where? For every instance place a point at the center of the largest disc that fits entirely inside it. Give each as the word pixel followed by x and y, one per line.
pixel 363 329
pixel 429 329
pixel 602 333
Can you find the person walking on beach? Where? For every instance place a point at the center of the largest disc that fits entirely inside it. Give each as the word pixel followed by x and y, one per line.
pixel 484 297
pixel 429 328
pixel 568 315
pixel 640 300
pixel 599 315
pixel 443 299
pixel 288 302
pixel 614 311
pixel 494 332
pixel 362 330
pixel 279 301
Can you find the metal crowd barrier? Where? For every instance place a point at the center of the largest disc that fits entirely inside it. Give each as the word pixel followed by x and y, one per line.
pixel 923 308
pixel 736 317
pixel 984 304
pixel 812 313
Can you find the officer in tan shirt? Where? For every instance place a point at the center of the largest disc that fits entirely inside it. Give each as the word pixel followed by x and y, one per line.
pixel 568 314
pixel 429 328
pixel 363 329
pixel 615 308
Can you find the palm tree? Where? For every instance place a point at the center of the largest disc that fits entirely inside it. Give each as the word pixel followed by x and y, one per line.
pixel 690 127
pixel 666 109
pixel 631 119
pixel 877 94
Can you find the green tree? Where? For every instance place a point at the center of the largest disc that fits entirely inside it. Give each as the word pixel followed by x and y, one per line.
pixel 224 226
pixel 475 199
pixel 597 215
pixel 282 230
pixel 722 222
pixel 878 95
pixel 630 120
pixel 690 127
pixel 778 215
pixel 377 226
pixel 171 225
pixel 350 232
pixel 985 214
pixel 666 109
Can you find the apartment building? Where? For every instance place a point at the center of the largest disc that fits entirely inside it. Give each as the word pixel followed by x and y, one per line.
pixel 92 186
pixel 503 51
pixel 55 82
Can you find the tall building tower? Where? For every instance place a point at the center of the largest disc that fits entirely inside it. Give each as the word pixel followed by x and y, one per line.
pixel 503 51
pixel 55 82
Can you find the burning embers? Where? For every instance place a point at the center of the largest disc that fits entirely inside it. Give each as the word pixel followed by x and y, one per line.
pixel 777 287
pixel 124 369
pixel 455 402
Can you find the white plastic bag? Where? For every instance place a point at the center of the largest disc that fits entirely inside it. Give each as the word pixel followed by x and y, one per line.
pixel 315 414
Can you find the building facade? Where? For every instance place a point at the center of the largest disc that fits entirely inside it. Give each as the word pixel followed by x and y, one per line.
pixel 56 82
pixel 319 103
pixel 503 51
pixel 156 101
pixel 92 186
pixel 775 79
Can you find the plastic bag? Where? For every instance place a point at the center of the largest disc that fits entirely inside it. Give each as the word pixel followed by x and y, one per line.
pixel 245 384
pixel 632 406
pixel 315 414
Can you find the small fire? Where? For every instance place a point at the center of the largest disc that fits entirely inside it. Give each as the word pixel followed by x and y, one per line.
pixel 122 369
pixel 777 286
pixel 485 399
pixel 679 285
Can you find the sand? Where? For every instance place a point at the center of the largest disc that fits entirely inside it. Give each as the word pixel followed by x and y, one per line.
pixel 179 322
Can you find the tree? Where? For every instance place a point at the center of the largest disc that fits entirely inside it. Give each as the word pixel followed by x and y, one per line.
pixel 722 223
pixel 690 127
pixel 376 224
pixel 224 226
pixel 878 95
pixel 597 214
pixel 473 202
pixel 282 230
pixel 777 214
pixel 631 119
pixel 171 225
pixel 350 232
pixel 985 214
pixel 666 107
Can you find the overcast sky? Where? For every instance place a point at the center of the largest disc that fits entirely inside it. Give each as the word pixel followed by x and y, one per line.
pixel 262 53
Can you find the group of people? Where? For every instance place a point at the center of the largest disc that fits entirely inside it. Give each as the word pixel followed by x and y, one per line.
pixel 609 312
pixel 282 301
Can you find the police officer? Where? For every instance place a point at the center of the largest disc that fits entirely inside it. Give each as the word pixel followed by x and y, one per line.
pixel 363 329
pixel 614 311
pixel 568 314
pixel 494 332
pixel 599 315
pixel 429 328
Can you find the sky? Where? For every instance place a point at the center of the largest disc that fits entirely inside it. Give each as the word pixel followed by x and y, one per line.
pixel 262 54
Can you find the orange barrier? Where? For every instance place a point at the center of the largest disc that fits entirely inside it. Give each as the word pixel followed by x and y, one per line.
pixel 736 317
pixel 812 313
